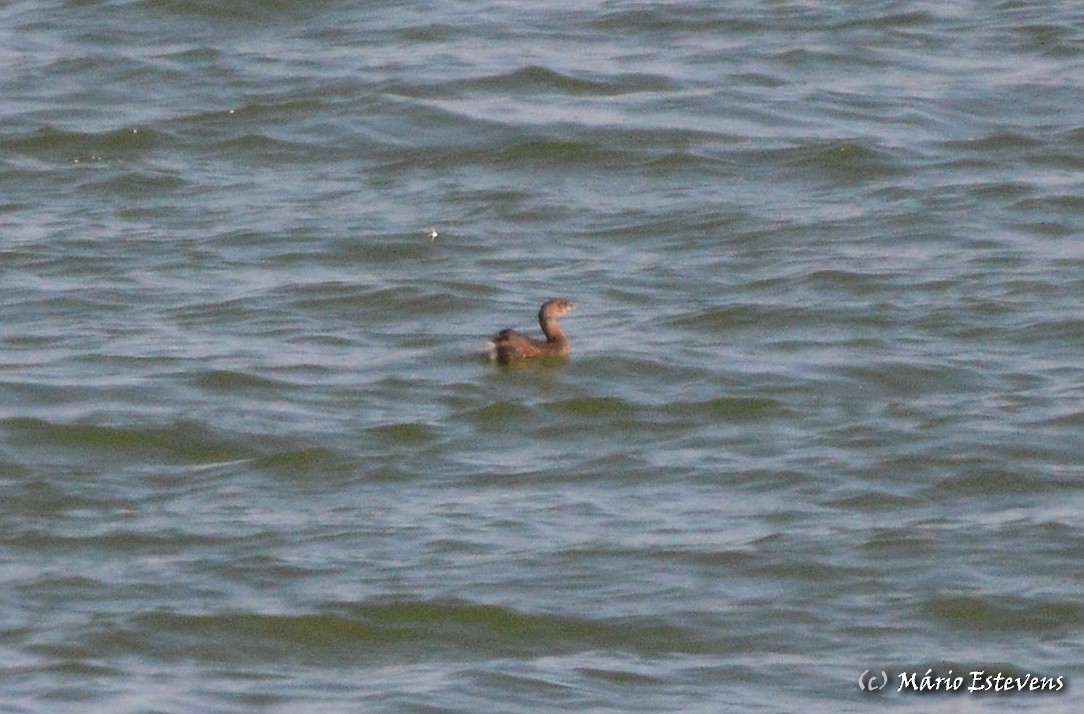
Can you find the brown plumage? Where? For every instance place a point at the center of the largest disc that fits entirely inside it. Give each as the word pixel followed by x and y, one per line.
pixel 509 345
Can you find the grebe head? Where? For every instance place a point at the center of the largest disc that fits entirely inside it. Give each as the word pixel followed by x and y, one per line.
pixel 555 308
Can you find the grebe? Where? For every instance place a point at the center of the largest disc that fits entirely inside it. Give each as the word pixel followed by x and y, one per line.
pixel 509 345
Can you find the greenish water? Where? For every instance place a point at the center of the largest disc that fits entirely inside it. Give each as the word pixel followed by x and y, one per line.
pixel 823 413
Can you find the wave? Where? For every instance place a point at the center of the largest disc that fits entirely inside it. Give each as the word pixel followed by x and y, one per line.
pixel 181 442
pixel 52 144
pixel 397 629
pixel 534 79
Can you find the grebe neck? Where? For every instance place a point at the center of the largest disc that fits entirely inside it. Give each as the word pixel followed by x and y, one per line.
pixel 550 329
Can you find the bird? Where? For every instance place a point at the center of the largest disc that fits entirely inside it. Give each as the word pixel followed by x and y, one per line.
pixel 510 346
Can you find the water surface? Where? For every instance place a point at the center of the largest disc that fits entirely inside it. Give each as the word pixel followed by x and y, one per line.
pixel 823 413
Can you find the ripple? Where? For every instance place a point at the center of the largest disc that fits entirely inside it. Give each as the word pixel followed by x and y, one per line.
pixel 1005 613
pixel 406 630
pixel 182 442
pixel 728 408
pixel 54 145
pixel 235 381
pixel 538 79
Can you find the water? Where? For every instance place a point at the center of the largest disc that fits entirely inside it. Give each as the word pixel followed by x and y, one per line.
pixel 823 413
